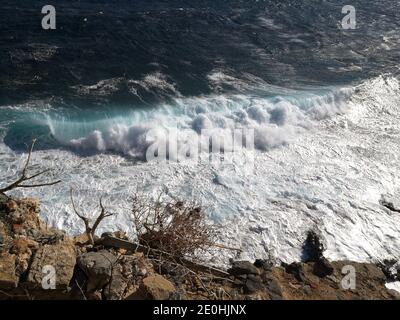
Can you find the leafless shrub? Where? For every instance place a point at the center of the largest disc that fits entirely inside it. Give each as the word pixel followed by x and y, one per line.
pixel 175 227
pixel 24 177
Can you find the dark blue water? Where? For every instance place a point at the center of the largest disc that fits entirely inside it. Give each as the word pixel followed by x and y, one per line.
pixel 108 56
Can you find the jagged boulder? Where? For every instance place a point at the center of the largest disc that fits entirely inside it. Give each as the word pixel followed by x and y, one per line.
pixel 263 264
pixel 8 279
pixel 61 256
pixel 242 267
pixel 24 211
pixel 313 247
pixel 98 268
pixel 23 248
pixel 296 269
pixel 274 289
pixel 253 284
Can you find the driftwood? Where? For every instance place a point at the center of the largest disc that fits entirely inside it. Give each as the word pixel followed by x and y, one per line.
pixel 91 230
pixel 109 241
pixel 21 181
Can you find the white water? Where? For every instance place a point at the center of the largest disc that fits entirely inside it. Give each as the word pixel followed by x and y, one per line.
pixel 324 167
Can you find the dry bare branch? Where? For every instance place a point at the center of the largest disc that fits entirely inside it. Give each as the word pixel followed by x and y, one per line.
pixel 19 183
pixel 91 230
pixel 174 227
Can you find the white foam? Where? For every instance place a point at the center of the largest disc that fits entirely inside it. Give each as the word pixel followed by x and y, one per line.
pixel 329 176
pixel 393 286
pixel 275 121
pixel 152 82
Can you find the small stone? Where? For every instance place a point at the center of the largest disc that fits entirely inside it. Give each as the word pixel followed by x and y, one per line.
pixel 157 287
pixel 120 235
pixel 253 284
pixel 142 272
pixel 322 268
pixel 122 251
pixel 81 240
pixel 263 264
pixel 242 267
pixel 296 269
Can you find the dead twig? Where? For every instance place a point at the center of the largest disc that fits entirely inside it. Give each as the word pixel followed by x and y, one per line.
pixel 91 230
pixel 221 246
pixel 179 228
pixel 20 182
pixel 157 253
pixel 81 290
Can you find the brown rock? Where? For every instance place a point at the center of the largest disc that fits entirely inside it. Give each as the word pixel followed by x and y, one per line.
pixel 120 235
pixel 8 279
pixel 81 239
pixel 20 246
pixel 61 256
pixel 157 287
pixel 22 249
pixel 274 290
pixel 122 251
pixel 5 239
pixel 31 209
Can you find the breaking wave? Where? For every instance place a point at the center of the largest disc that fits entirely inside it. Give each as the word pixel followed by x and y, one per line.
pixel 338 153
pixel 275 119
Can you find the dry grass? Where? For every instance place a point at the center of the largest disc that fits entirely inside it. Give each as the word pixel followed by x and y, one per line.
pixel 175 227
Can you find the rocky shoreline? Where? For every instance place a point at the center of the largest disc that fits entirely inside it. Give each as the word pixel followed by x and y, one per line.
pixel 37 262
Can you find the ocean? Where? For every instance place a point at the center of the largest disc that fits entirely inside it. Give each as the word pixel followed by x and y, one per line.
pixel 322 101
